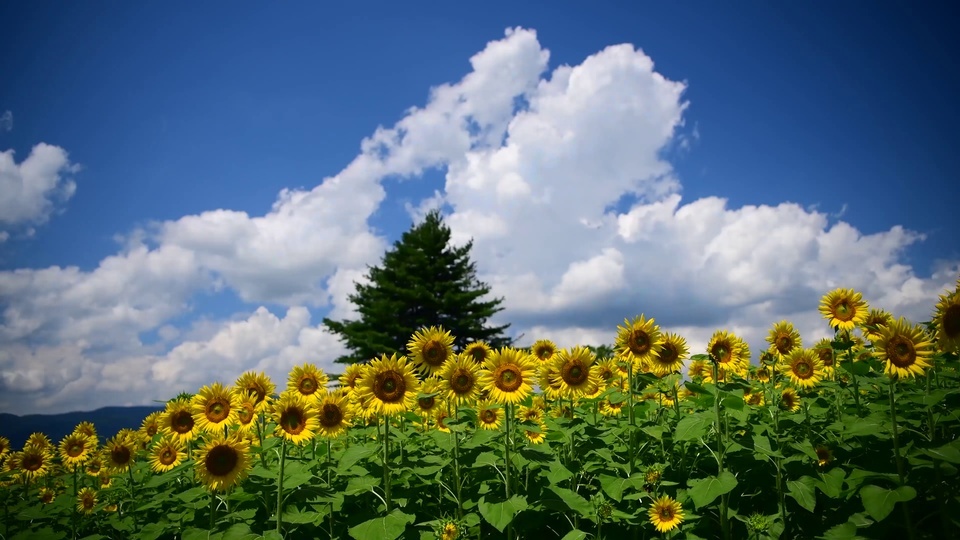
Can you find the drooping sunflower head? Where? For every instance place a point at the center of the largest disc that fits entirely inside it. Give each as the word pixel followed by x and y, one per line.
pixel 824 456
pixel 119 452
pixel 489 415
pixel 258 383
pixel 388 385
pixel 429 348
pixel 665 514
pixel 177 420
pixel 873 322
pixel 906 349
pixel 86 500
pixel 543 350
pixel 947 320
pixel 783 338
pixel 295 416
pixel 789 400
pixel 575 371
pixel 308 380
pixel 222 462
pixel 699 370
pixel 844 308
pixel 214 407
pixel 351 376
pixel 670 358
pixel 803 367
pixel 429 399
pixel 86 428
pixel 548 379
pixel 508 375
pixel 150 425
pixel 35 462
pixel 478 351
pixel 246 410
pixel 166 454
pixel 638 340
pixel 824 349
pixel 76 448
pixel 40 440
pixel 459 379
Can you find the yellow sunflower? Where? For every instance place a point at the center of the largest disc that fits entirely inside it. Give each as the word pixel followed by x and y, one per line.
pixel 489 415
pixel 296 417
pixel 151 425
pixel 804 368
pixel 875 319
pixel 508 375
pixel 335 415
pixel 530 414
pixel 947 320
pixel 259 384
pixel 449 531
pixel 670 358
pixel 574 370
pixel 459 378
pixel 429 348
pixel 753 397
pixel 246 410
pixel 86 500
pixel 698 369
pixel 166 454
pixel 729 351
pixel 844 308
pixel 478 351
pixel 607 370
pixel 214 407
pixel 789 400
pixel 783 338
pixel 762 374
pixel 94 465
pixel 119 452
pixel 75 449
pixel 824 350
pixel 47 495
pixel 905 348
pixel 222 462
pixel 308 380
pixel 86 428
pixel 177 420
pixel 440 420
pixel 351 376
pixel 548 379
pixel 35 462
pixel 4 447
pixel 824 456
pixel 39 440
pixel 388 385
pixel 639 341
pixel 665 514
pixel 610 408
pixel 105 479
pixel 543 350
pixel 536 436
pixel 429 399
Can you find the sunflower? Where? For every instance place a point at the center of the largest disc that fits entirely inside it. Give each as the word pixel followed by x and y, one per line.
pixel 804 368
pixel 222 462
pixel 94 464
pixel 574 370
pixel 39 440
pixel 76 448
pixel 449 531
pixel 166 454
pixel 429 349
pixel 507 375
pixel 295 416
pixel 536 436
pixel 666 514
pixel 844 308
pixel 824 456
pixel 548 379
pixel 35 462
pixel 214 407
pixel 753 397
pixel 4 447
pixel 875 319
pixel 671 356
pixel 783 338
pixel 246 410
pixel 639 341
pixel 762 374
pixel 388 385
pixel 350 376
pixel 610 408
pixel 543 350
pixel 429 399
pixel 119 452
pixel 698 369
pixel 459 379
pixel 334 415
pixel 177 420
pixel 729 352
pixel 151 425
pixel 86 428
pixel 478 351
pixel 11 468
pixel 789 400
pixel 104 479
pixel 824 349
pixel 47 495
pixel 530 414
pixel 440 417
pixel 308 380
pixel 86 500
pixel 607 370
pixel 905 348
pixel 489 414
pixel 947 319
pixel 259 384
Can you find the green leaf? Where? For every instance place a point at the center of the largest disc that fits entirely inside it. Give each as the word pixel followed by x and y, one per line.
pixel 949 452
pixel 762 445
pixel 353 455
pixel 486 459
pixel 501 514
pixel 192 533
pixel 879 502
pixel 239 531
pixel 844 531
pixel 614 486
pixel 152 531
pixel 385 528
pixel 574 501
pixel 831 483
pixel 691 428
pixel 802 492
pixel 361 484
pixel 704 491
pixel 575 534
pixel 558 473
pixel 295 515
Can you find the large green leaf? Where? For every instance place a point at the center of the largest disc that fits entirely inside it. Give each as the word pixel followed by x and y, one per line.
pixel 574 501
pixel 831 483
pixel 501 514
pixel 614 486
pixel 762 445
pixel 691 428
pixel 802 492
pixel 353 455
pixel 239 531
pixel 361 484
pixel 949 452
pixel 383 528
pixel 879 502
pixel 575 534
pixel 704 491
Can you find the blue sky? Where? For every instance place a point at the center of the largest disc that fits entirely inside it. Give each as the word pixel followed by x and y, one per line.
pixel 160 116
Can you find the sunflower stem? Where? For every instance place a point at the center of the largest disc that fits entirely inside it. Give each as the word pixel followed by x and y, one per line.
pixel 896 452
pixel 724 526
pixel 386 462
pixel 630 413
pixel 283 461
pixel 73 517
pixel 506 447
pixel 454 411
pixel 213 510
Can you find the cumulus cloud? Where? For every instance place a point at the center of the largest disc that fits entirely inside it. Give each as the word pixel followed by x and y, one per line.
pixel 31 190
pixel 558 177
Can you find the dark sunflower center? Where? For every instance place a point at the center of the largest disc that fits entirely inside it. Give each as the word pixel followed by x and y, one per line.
pixel 784 344
pixel 88 501
pixel 803 370
pixel 544 353
pixel 666 513
pixel 669 354
pixel 508 378
pixel 245 414
pixel 31 462
pixel 478 355
pixel 257 389
pixel 901 352
pixel 389 386
pixel 182 422
pixel 221 460
pixel 951 321
pixel 434 353
pixel 843 311
pixel 826 356
pixel 217 411
pixel 94 467
pixel 462 382
pixel 48 497
pixel 308 385
pixel 292 420
pixel 426 403
pixel 120 455
pixel 721 352
pixel 489 416
pixel 763 374
pixel 152 430
pixel 75 450
pixel 167 456
pixel 331 415
pixel 754 399
pixel 639 342
pixel 574 374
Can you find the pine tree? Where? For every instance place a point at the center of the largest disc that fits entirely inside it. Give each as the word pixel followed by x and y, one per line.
pixel 422 282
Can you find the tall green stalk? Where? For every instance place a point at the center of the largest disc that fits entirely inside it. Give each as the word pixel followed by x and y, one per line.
pixel 386 462
pixel 631 429
pixel 901 471
pixel 283 461
pixel 724 499
pixel 506 451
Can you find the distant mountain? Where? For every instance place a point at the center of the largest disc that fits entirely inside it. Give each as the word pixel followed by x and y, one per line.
pixel 108 421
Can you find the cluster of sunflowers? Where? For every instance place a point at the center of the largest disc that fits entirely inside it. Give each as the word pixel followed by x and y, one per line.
pixel 217 426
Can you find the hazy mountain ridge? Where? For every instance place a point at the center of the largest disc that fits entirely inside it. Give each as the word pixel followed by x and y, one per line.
pixel 108 421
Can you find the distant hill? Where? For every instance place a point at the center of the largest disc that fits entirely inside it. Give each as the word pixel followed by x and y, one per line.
pixel 108 421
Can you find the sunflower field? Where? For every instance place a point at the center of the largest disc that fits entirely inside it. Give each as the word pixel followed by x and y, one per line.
pixel 850 437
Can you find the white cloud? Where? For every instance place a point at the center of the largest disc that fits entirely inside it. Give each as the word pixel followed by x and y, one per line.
pixel 30 191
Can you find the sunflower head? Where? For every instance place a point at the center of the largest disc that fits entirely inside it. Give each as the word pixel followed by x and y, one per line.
pixel 177 420
pixel 947 320
pixel 508 375
pixel 120 451
pixel 478 351
pixel 789 400
pixel 670 358
pixel 537 435
pixel 334 414
pixel 638 340
pixel 151 425
pixel 873 322
pixel 543 350
pixel 429 399
pixel 783 338
pixel 824 456
pixel 295 416
pixel 844 308
pixel 4 447
pixel 459 379
pixel 429 349
pixel 246 410
pixel 308 380
pixel 906 349
pixel 699 370
pixel 665 514
pixel 258 383
pixel 351 376
pixel 86 500
pixel 214 407
pixel 575 372
pixel 222 462
pixel 803 367
pixel 40 440
pixel 86 428
pixel 388 385
pixel 726 349
pixel 76 448
pixel 47 495
pixel 35 462
pixel 489 415
pixel 166 454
